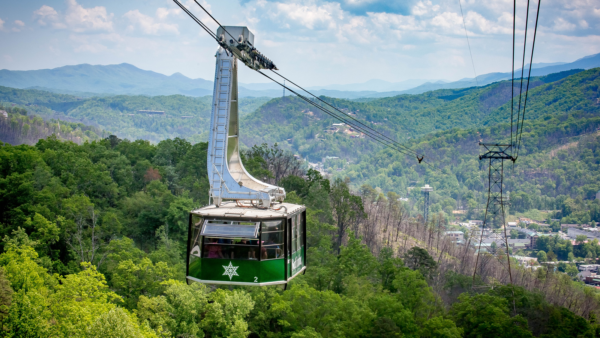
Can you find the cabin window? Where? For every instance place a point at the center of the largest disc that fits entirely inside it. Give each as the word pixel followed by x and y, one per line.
pixel 196 238
pixel 272 240
pixel 294 234
pixel 301 229
pixel 230 229
pixel 230 239
pixel 230 248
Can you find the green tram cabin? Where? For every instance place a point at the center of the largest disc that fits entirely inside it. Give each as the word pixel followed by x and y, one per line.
pixel 241 245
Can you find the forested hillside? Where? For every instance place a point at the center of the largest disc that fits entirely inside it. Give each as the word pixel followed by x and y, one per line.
pixel 94 246
pixel 18 128
pixel 558 163
pixel 186 117
pixel 299 126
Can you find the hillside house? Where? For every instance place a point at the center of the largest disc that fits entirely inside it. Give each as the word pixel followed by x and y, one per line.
pixel 455 235
pixel 517 244
pixel 573 233
pixel 528 232
pixel 152 112
pixel 525 261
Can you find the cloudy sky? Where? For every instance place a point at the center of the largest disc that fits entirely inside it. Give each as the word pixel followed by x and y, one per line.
pixel 314 42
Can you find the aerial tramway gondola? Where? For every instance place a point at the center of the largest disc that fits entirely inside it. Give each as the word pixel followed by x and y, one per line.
pixel 254 238
pixel 247 236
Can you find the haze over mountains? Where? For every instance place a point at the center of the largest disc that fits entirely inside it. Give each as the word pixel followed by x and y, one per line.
pixel 97 80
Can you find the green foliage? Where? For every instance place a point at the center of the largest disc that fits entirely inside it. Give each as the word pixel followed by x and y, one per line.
pixel 185 117
pixel 117 323
pixel 94 246
pixel 6 293
pixel 419 259
pixel 541 256
pixel 330 314
pixel 19 128
pixel 178 312
pixel 296 124
pixel 226 314
pixel 438 327
pixel 347 208
pixel 487 316
pixel 132 280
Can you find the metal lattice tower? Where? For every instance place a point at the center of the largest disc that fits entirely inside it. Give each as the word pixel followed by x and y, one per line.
pixel 425 190
pixel 496 154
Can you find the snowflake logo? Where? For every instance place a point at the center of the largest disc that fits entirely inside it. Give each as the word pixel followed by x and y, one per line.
pixel 230 270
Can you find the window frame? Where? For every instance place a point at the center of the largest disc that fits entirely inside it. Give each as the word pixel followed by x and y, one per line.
pixel 206 223
pixel 282 222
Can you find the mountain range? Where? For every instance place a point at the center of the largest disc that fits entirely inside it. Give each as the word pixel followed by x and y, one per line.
pixel 86 80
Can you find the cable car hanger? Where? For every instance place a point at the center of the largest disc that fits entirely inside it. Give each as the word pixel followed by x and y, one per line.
pixel 239 49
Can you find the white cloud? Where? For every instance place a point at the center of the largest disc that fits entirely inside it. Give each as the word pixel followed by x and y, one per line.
pixel 448 21
pixel 163 13
pixel 395 21
pixel 81 19
pixel 47 15
pixel 77 18
pixel 561 24
pixel 1 25
pixel 18 26
pixel 484 25
pixel 149 25
pixel 422 8
pixel 309 16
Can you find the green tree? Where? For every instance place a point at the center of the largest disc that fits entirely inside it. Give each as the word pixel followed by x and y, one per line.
pixel 226 315
pixel 541 256
pixel 79 299
pixel 117 323
pixel 6 294
pixel 484 315
pixel 330 314
pixel 132 280
pixel 419 259
pixel 414 294
pixel 347 208
pixel 438 327
pixel 178 312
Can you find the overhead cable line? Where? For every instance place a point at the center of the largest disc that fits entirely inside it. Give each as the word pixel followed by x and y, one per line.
pixel 468 43
pixel 512 84
pixel 332 114
pixel 213 35
pixel 374 134
pixel 528 77
pixel 341 112
pixel 522 67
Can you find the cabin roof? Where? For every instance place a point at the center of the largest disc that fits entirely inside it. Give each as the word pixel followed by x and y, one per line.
pixel 230 209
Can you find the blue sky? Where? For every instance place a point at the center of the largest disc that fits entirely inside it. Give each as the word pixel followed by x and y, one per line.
pixel 312 41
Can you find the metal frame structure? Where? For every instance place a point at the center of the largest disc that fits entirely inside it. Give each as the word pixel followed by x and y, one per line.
pixel 425 190
pixel 496 154
pixel 227 176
